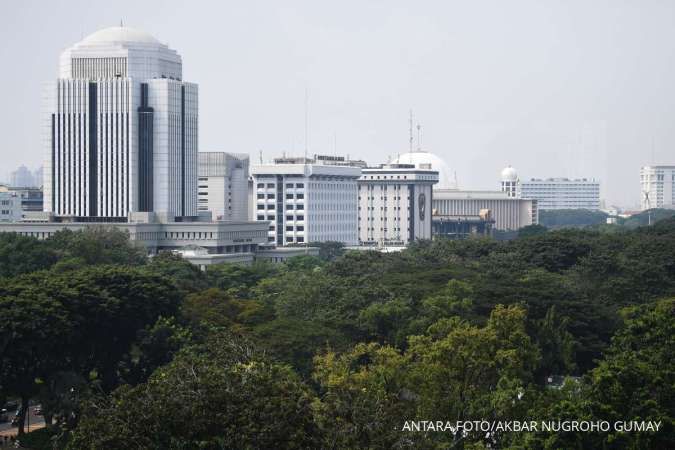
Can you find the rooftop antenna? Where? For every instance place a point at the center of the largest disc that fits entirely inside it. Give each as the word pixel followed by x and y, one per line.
pixel 306 120
pixel 121 23
pixel 419 137
pixel 261 158
pixel 411 131
pixel 456 183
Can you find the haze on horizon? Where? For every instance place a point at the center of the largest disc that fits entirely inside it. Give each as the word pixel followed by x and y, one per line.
pixel 553 88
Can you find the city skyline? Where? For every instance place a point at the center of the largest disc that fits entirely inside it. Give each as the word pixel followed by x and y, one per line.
pixel 485 93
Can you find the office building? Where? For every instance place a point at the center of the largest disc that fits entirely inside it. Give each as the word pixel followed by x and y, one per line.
pixel 306 201
pixel 656 184
pixel 395 204
pixel 508 213
pixel 223 185
pixel 562 193
pixel 120 130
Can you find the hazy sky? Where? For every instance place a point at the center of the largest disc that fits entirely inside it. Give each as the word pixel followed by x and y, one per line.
pixel 554 88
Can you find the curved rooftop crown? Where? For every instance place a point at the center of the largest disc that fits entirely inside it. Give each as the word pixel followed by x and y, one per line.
pixel 509 174
pixel 420 158
pixel 120 52
pixel 119 35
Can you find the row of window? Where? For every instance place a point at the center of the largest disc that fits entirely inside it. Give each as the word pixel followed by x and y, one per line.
pixel 288 185
pixel 288 206
pixel 289 240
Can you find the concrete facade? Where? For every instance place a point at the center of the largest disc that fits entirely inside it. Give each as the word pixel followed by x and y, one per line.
pixel 306 202
pixel 223 185
pixel 395 202
pixel 508 213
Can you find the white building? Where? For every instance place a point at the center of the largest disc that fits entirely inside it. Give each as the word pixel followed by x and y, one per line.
pixel 395 204
pixel 510 182
pixel 223 185
pixel 656 184
pixel 305 201
pixel 509 213
pixel 10 205
pixel 563 193
pixel 120 130
pixel 553 193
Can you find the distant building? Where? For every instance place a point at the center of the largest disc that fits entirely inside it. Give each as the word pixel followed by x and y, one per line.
pixel 306 200
pixel 553 193
pixel 508 213
pixel 510 182
pixel 395 204
pixel 22 177
pixel 656 184
pixel 223 185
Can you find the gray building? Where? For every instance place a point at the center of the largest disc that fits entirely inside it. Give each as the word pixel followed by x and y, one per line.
pixel 223 185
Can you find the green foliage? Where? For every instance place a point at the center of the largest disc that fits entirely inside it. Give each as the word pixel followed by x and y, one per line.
pixel 221 395
pixel 21 254
pixel 96 246
pixel 239 279
pixel 329 250
pixel 339 351
pixel 559 218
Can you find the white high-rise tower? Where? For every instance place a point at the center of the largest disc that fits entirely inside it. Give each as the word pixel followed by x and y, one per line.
pixel 120 130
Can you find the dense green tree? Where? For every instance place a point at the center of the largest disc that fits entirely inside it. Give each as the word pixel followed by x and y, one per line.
pixel 32 327
pixel 21 254
pixel 239 278
pixel 187 276
pixel 97 245
pixel 222 395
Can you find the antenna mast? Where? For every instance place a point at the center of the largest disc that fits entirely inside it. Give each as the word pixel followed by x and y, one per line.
pixel 306 121
pixel 419 137
pixel 411 131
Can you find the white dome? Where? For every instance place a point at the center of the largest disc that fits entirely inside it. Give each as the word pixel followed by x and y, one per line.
pixel 424 158
pixel 119 35
pixel 509 174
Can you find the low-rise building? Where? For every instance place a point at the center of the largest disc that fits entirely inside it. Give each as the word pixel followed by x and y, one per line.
pixel 508 213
